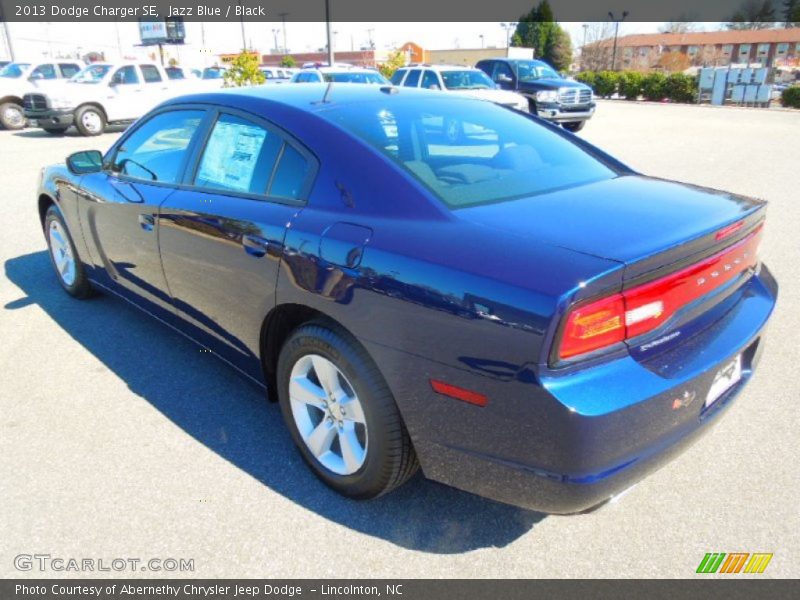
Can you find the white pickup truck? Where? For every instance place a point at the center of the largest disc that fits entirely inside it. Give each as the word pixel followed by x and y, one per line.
pixel 100 94
pixel 20 78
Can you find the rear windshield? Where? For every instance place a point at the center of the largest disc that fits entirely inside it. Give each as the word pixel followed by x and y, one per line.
pixel 471 152
pixel 346 77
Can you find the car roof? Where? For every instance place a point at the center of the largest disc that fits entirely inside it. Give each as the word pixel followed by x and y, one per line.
pixel 312 97
pixel 442 67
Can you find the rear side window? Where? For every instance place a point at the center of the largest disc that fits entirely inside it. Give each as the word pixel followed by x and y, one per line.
pixel 290 175
pixel 68 70
pixel 150 73
pixel 398 76
pixel 175 73
pixel 156 150
pixel 239 157
pixel 413 78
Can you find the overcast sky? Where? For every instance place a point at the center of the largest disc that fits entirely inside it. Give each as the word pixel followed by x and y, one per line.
pixel 33 40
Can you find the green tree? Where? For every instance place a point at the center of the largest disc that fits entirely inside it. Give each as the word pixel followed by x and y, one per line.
pixel 791 13
pixel 539 30
pixel 396 60
pixel 288 62
pixel 244 71
pixel 753 14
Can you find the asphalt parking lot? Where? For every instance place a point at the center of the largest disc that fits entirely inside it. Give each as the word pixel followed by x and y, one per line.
pixel 119 438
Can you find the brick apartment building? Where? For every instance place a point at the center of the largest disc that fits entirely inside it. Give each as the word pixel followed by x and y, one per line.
pixel 768 47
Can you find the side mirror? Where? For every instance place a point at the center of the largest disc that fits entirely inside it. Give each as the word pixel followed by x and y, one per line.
pixel 88 161
pixel 504 81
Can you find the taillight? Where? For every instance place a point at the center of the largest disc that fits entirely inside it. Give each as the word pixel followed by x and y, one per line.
pixel 641 309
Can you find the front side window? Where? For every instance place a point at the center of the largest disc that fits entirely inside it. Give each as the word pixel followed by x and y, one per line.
pixel 430 81
pixel 466 80
pixel 502 71
pixel 47 71
pixel 413 78
pixel 68 69
pixel 125 76
pixel 92 74
pixel 470 153
pixel 156 150
pixel 239 157
pixel 150 74
pixel 175 73
pixel 397 78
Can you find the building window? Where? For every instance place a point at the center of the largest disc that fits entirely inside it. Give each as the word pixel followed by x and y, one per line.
pixel 763 49
pixel 782 49
pixel 744 50
pixel 727 49
pixel 693 50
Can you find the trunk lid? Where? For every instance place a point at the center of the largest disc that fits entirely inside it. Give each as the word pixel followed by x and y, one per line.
pixel 646 223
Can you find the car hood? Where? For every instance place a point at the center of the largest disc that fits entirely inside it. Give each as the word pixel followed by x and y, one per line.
pixel 551 84
pixel 627 219
pixel 497 96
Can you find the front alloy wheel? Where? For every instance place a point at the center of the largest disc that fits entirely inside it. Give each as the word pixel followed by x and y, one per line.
pixel 69 269
pixel 11 116
pixel 340 412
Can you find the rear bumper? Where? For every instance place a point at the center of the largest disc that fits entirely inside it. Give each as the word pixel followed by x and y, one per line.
pixel 563 444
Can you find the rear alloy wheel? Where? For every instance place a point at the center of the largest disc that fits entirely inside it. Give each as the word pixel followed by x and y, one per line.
pixel 90 120
pixel 574 126
pixel 341 414
pixel 11 116
pixel 68 267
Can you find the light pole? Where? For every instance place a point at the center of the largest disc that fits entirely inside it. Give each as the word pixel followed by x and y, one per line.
pixel 283 16
pixel 328 31
pixel 241 20
pixel 7 36
pixel 275 39
pixel 369 35
pixel 481 36
pixel 616 33
pixel 583 47
pixel 508 27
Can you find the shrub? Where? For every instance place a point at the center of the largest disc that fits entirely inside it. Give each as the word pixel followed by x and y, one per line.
pixel 586 77
pixel 605 83
pixel 681 88
pixel 289 62
pixel 244 71
pixel 654 86
pixel 790 97
pixel 630 84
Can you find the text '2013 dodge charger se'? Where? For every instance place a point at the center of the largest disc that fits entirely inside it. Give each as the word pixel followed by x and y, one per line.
pixel 511 309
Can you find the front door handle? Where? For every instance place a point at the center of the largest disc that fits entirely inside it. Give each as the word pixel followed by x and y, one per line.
pixel 255 245
pixel 147 222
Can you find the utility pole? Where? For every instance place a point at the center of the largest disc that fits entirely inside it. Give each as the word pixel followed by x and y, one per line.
pixel 275 38
pixel 482 42
pixel 508 27
pixel 7 36
pixel 283 16
pixel 583 47
pixel 616 34
pixel 241 20
pixel 328 31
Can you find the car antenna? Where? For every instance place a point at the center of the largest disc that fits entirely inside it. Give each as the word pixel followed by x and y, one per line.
pixel 327 93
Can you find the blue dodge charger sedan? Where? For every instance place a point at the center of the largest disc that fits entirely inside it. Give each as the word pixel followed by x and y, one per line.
pixel 427 281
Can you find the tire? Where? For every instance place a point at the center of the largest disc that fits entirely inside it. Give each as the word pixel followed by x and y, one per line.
pixel 11 116
pixel 388 459
pixel 575 126
pixel 59 241
pixel 90 120
pixel 55 130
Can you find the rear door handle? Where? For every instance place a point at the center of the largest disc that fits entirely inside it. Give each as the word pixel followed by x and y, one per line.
pixel 255 245
pixel 147 222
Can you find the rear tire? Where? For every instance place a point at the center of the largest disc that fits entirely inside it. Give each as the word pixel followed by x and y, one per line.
pixel 90 120
pixel 66 262
pixel 11 116
pixel 575 126
pixel 361 452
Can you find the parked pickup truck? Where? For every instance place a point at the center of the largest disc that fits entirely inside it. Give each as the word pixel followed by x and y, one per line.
pixel 20 78
pixel 550 96
pixel 100 94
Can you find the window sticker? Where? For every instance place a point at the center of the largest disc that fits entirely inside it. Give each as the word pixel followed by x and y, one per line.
pixel 230 157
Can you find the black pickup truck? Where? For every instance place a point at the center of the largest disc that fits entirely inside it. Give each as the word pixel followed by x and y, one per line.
pixel 550 96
